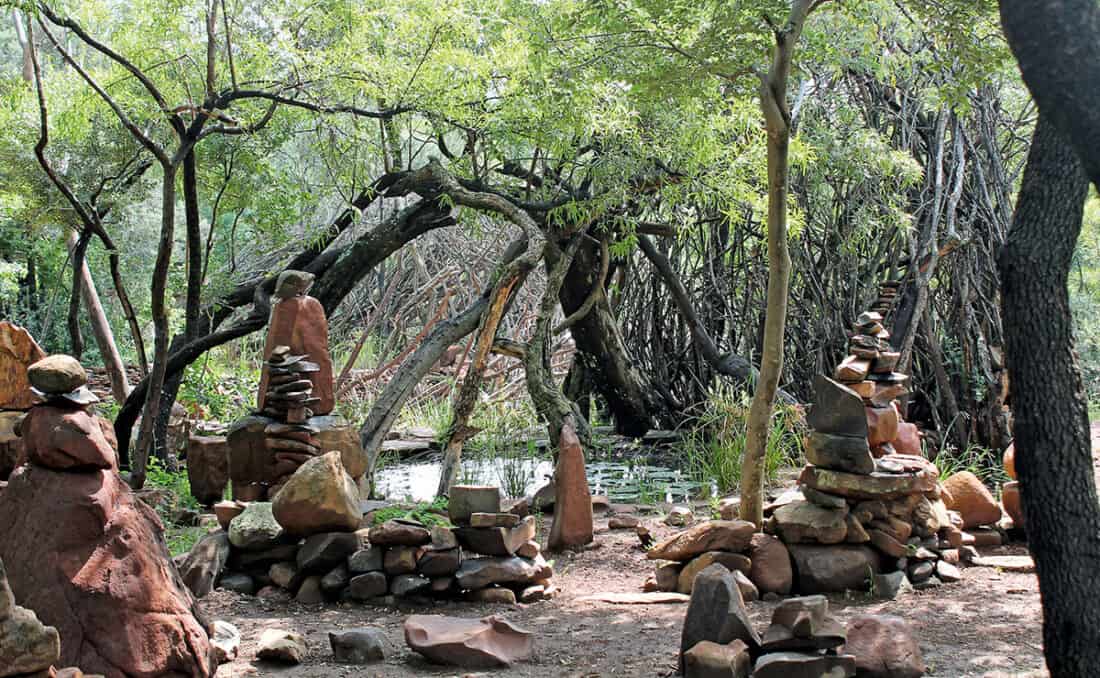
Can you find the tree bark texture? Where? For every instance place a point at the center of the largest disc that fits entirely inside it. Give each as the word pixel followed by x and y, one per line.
pixel 1053 448
pixel 101 331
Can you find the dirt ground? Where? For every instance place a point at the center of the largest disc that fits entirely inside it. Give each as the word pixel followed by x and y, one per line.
pixel 989 624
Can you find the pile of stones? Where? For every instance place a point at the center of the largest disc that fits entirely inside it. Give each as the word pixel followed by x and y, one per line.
pixel 288 548
pixel 864 506
pixel 718 638
pixel 289 394
pixel 758 563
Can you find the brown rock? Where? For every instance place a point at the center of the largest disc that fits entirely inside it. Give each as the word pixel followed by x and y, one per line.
pixel 572 524
pixel 397 533
pixel 477 573
pixel 493 520
pixel 716 613
pixel 840 452
pixel 622 523
pixel 11 445
pixel 26 644
pixel 907 440
pixel 1010 498
pixel 469 643
pixel 802 624
pixel 465 500
pixel 336 433
pixel 712 535
pixel 400 560
pixel 667 575
pixel 18 351
pixel 65 438
pixel 250 461
pixel 837 410
pixel 1009 461
pixel 803 521
pixel 771 565
pixel 207 468
pixel 125 608
pixel 834 568
pixel 439 563
pixel 203 564
pixel 494 596
pixel 882 424
pixel 972 499
pixel 284 647
pixel 852 370
pixel 496 541
pixel 57 374
pixel 803 665
pixel 685 581
pixel 856 534
pixel 298 322
pixel 319 497
pixel 887 544
pixel 711 660
pixel 884 647
pixel 226 511
pixel 874 486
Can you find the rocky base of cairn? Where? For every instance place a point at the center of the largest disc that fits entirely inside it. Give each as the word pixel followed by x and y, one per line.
pixel 489 556
pixel 803 640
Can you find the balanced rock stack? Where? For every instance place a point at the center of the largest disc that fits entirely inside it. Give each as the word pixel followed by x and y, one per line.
pixel 887 295
pixel 289 393
pixel 105 581
pixel 861 507
pixel 270 550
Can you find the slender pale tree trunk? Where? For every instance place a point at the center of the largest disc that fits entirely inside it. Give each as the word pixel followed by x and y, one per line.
pixel 101 330
pixel 777 119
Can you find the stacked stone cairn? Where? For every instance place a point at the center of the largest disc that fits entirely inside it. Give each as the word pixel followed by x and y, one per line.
pixel 803 640
pixel 862 507
pixel 314 544
pixel 289 396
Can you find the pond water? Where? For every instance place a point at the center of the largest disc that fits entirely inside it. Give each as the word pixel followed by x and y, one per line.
pixel 623 482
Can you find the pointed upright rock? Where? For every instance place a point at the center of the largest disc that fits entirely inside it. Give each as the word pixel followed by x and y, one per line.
pixel 572 524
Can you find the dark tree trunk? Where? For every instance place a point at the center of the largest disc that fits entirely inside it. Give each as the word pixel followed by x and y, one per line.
pixel 1057 43
pixel 602 351
pixel 1053 451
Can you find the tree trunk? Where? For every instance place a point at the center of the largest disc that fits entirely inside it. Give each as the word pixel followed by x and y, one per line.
pixel 601 347
pixel 101 330
pixel 777 118
pixel 159 311
pixel 1053 450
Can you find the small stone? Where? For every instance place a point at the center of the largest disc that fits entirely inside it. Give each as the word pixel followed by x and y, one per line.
pixel 321 552
pixel 667 575
pixel 802 665
pixel 947 572
pixel 285 647
pixel 679 516
pixel 493 520
pixel 833 568
pixel 887 544
pixel 255 528
pixel 771 565
pixel 496 541
pixel 405 584
pixel 336 580
pixel 890 585
pixel 368 585
pixel 401 560
pixel 856 534
pixel 478 573
pixel 442 584
pixel 731 561
pixel 369 559
pixel 358 646
pixel 238 583
pixel 439 563
pixel 920 571
pixel 286 575
pixel 884 647
pixel 203 564
pixel 803 521
pixel 496 596
pixel 532 594
pixel 309 593
pixel 395 533
pixel 443 538
pixel 622 523
pixel 57 374
pixel 972 499
pixel 465 500
pixel 1006 563
pixel 930 583
pixel 749 592
pixel 529 549
pixel 882 424
pixel 829 501
pixel 707 659
pixel 226 641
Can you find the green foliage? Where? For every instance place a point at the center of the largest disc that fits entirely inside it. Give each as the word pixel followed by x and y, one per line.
pixel 219 388
pixel 180 538
pixel 430 514
pixel 985 463
pixel 714 447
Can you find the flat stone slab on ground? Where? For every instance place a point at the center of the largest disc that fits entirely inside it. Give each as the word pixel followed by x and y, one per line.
pixel 1022 564
pixel 654 598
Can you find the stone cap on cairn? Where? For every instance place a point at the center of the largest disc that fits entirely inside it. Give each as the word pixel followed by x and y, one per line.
pixel 61 377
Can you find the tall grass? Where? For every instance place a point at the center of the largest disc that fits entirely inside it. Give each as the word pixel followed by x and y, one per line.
pixel 983 462
pixel 714 447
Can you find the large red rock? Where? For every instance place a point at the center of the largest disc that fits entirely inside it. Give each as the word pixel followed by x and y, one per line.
pixel 18 351
pixel 105 581
pixel 470 643
pixel 299 322
pixel 771 564
pixel 884 647
pixel 572 524
pixel 882 424
pixel 972 499
pixel 907 441
pixel 66 437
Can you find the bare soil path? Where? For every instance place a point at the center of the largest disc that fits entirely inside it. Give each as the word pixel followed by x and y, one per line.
pixel 988 625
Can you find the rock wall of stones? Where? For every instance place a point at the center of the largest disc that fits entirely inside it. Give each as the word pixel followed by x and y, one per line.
pixel 314 543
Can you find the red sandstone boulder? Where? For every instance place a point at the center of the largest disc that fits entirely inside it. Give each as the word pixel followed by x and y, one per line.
pixel 298 322
pixel 572 524
pixel 1010 498
pixel 882 424
pixel 972 499
pixel 63 437
pixel 771 565
pixel 907 440
pixel 884 647
pixel 18 351
pixel 470 643
pixel 207 468
pixel 105 581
